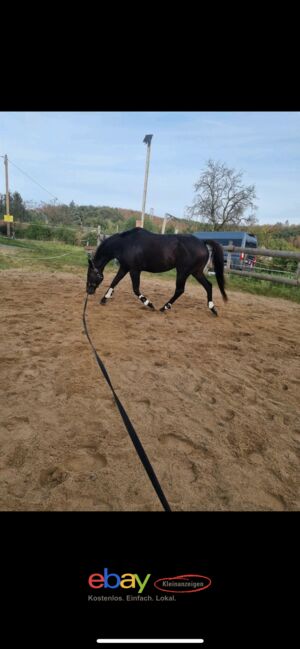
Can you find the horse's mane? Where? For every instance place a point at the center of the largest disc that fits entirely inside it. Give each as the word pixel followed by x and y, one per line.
pixel 126 233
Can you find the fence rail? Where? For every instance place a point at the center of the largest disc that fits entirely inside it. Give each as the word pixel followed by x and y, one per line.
pixel 265 276
pixel 264 252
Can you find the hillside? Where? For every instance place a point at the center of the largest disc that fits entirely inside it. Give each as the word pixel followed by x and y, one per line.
pixel 179 224
pixel 87 218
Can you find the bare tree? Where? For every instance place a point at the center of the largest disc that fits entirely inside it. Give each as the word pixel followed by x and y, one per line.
pixel 221 198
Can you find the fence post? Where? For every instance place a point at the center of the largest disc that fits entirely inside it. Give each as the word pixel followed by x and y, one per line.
pixel 228 263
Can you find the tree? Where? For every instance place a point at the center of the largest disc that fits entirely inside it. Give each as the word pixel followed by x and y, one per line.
pixel 170 228
pixel 17 206
pixel 148 224
pixel 76 215
pixel 221 198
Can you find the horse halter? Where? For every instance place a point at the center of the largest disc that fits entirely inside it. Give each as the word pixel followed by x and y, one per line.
pixel 99 275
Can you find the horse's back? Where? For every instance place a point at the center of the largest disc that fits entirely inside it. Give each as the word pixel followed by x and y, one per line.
pixel 140 234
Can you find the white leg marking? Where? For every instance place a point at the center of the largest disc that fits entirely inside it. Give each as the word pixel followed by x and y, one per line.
pixel 211 305
pixel 144 300
pixel 109 293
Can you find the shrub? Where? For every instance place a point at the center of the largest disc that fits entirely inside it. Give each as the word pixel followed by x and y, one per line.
pixel 38 231
pixel 67 235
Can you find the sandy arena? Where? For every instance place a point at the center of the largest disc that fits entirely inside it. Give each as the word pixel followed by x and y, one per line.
pixel 215 401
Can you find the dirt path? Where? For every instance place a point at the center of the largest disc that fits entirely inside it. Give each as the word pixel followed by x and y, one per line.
pixel 214 400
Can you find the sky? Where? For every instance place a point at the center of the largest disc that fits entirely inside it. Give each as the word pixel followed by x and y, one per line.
pixel 98 158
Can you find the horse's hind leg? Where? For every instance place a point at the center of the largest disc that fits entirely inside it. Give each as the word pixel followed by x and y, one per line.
pixel 120 274
pixel 208 287
pixel 180 284
pixel 135 278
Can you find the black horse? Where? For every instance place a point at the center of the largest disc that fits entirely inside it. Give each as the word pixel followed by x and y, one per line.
pixel 138 250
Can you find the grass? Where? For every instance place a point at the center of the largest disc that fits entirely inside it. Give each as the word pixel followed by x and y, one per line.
pixel 45 255
pixel 263 287
pixel 40 254
pixel 55 256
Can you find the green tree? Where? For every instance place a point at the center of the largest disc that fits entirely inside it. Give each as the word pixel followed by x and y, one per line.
pixel 16 207
pixel 148 224
pixel 76 214
pixel 2 205
pixel 170 228
pixel 129 223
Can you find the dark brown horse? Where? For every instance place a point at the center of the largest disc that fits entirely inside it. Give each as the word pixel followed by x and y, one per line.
pixel 137 250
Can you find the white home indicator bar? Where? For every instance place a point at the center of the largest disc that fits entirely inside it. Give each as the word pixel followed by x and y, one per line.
pixel 150 641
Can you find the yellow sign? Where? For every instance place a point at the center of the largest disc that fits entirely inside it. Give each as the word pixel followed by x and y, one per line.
pixel 8 217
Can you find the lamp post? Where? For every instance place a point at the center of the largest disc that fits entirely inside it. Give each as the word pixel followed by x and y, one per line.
pixel 147 139
pixel 167 217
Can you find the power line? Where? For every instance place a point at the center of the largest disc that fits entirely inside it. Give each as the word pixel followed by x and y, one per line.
pixel 30 177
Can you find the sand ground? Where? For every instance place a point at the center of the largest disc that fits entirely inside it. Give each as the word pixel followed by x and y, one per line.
pixel 214 400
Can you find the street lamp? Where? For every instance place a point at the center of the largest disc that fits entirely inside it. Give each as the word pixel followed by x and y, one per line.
pixel 167 217
pixel 147 140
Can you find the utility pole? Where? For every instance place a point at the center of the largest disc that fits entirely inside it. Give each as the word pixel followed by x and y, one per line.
pixel 147 139
pixel 7 194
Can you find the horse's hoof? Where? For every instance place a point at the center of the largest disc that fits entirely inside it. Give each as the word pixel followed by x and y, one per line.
pixel 214 311
pixel 103 300
pixel 151 306
pixel 166 307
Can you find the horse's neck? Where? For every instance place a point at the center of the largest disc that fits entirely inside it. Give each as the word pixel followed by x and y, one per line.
pixel 101 262
pixel 103 257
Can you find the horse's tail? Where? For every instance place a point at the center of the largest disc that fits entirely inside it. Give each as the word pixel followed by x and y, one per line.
pixel 218 262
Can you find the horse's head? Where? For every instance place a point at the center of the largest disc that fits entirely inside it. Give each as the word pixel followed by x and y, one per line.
pixel 94 278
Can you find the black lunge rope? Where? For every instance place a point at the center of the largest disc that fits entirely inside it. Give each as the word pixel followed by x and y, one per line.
pixel 133 435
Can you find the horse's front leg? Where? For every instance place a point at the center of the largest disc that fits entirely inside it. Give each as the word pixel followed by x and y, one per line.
pixel 135 278
pixel 109 293
pixel 180 284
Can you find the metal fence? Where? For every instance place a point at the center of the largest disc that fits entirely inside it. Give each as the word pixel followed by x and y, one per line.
pixel 254 273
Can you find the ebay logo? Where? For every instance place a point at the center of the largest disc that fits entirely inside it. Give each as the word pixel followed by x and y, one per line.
pixel 112 580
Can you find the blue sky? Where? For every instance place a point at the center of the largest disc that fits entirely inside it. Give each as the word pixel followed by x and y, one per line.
pixel 98 158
